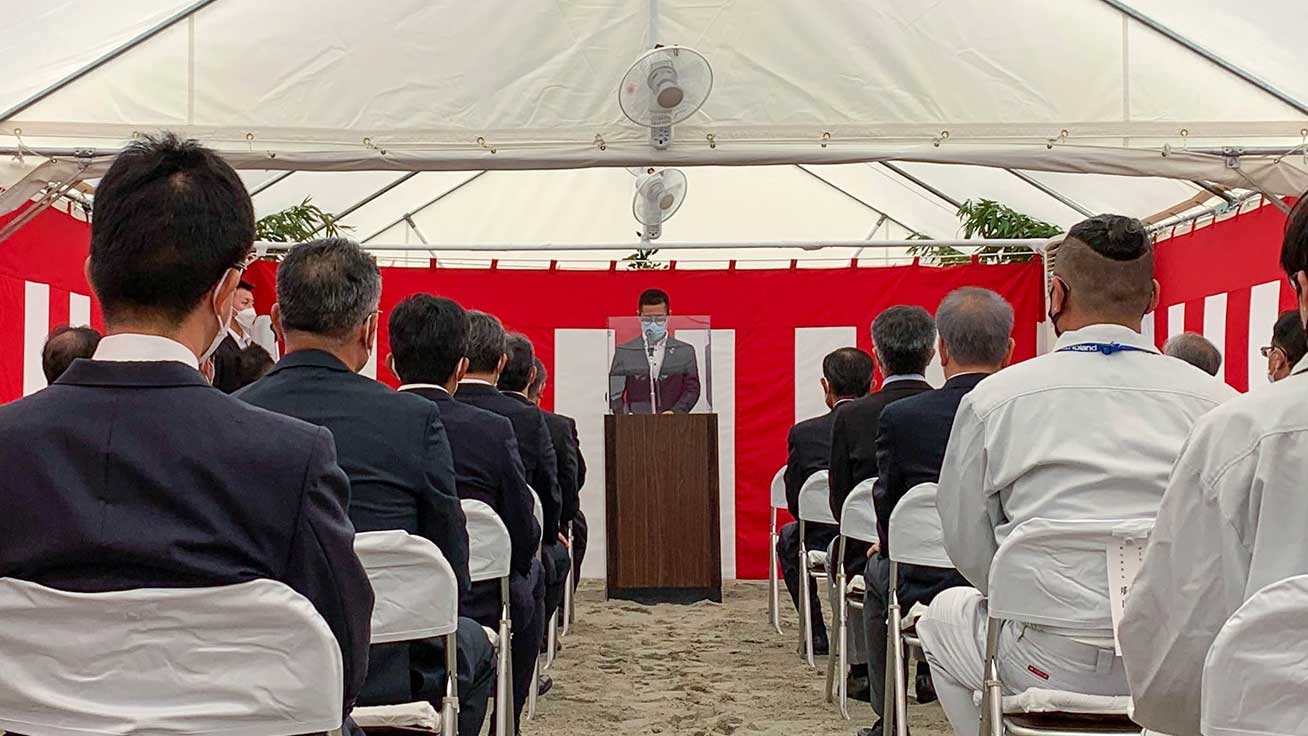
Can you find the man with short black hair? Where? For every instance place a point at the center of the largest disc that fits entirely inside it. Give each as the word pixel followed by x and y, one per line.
pixel 1089 431
pixel 1231 523
pixel 846 376
pixel 903 343
pixel 975 326
pixel 63 345
pixel 429 345
pixel 226 359
pixel 392 446
pixel 572 469
pixel 130 471
pixel 1195 349
pixel 1288 347
pixel 655 373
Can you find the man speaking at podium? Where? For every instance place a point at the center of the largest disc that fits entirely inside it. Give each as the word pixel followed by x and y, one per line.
pixel 632 386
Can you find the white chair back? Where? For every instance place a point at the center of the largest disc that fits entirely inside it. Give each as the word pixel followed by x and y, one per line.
pixel 916 535
pixel 1255 674
pixel 252 659
pixel 1055 573
pixel 858 517
pixel 779 489
pixel 538 511
pixel 490 551
pixel 416 592
pixel 815 499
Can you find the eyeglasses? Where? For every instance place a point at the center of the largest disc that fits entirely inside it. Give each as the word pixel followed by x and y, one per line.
pixel 247 261
pixel 1266 350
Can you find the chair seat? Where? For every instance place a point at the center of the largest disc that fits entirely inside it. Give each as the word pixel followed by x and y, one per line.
pixel 817 561
pixel 1071 724
pixel 1040 700
pixel 406 717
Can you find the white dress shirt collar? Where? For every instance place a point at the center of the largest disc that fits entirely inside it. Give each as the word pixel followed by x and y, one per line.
pixel 1106 334
pixel 131 347
pixel 1300 367
pixel 414 386
pixel 478 380
pixel 903 377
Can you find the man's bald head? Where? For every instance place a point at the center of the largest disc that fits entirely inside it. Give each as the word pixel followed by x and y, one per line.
pixel 1107 266
pixel 64 345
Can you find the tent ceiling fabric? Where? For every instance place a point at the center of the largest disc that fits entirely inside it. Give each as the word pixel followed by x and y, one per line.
pixel 350 96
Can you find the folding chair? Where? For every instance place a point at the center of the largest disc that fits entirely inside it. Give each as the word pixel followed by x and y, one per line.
pixel 814 507
pixel 1254 674
pixel 1056 573
pixel 538 511
pixel 490 558
pixel 858 520
pixel 916 538
pixel 774 588
pixel 253 659
pixel 417 597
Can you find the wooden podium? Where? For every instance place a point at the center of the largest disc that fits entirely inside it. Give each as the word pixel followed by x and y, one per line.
pixel 663 528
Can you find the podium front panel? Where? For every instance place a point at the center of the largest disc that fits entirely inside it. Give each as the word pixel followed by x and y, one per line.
pixel 664 529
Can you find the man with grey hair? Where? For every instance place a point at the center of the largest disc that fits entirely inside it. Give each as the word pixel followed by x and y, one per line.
pixel 391 445
pixel 1196 350
pixel 975 327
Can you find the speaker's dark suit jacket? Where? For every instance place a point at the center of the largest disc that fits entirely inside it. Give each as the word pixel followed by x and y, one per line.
pixel 910 450
pixel 226 368
pixel 678 379
pixel 567 450
pixel 854 451
pixel 394 449
pixel 534 445
pixel 142 475
pixel 488 468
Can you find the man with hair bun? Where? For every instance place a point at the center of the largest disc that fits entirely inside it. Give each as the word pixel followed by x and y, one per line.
pixel 1089 431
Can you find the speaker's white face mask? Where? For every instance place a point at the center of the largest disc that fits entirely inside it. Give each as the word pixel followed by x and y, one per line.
pixel 245 318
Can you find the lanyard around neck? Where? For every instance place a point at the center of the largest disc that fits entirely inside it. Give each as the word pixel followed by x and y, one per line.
pixel 1106 348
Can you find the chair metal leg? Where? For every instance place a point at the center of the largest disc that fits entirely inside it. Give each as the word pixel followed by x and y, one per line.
pixel 805 605
pixel 552 641
pixel 450 703
pixel 774 591
pixel 533 693
pixel 504 686
pixel 843 671
pixel 992 715
pixel 833 656
pixel 890 720
pixel 566 623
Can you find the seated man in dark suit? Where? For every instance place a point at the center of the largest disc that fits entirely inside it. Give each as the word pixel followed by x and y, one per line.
pixel 846 376
pixel 429 347
pixel 975 326
pixel 391 445
pixel 563 434
pixel 672 362
pixel 131 471
pixel 903 343
pixel 63 345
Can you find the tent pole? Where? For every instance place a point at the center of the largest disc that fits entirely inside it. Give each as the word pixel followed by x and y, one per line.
pixel 1034 244
pixel 860 200
pixel 352 208
pixel 939 194
pixel 408 216
pixel 109 56
pixel 1050 191
pixel 271 183
pixel 1229 66
pixel 1214 191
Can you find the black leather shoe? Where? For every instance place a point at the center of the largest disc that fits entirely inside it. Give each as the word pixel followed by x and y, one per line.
pixel 859 688
pixel 821 647
pixel 544 685
pixel 870 730
pixel 926 689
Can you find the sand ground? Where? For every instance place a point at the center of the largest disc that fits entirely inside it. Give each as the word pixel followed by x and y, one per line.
pixel 702 670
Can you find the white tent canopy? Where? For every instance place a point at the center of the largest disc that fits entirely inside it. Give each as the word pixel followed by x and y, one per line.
pixel 844 120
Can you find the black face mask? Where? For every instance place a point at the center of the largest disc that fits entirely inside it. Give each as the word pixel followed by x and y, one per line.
pixel 1053 316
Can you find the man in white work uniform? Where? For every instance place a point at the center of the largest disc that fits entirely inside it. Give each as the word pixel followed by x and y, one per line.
pixel 1232 522
pixel 1089 431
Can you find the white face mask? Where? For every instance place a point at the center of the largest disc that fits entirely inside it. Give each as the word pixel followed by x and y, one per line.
pixel 222 330
pixel 245 318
